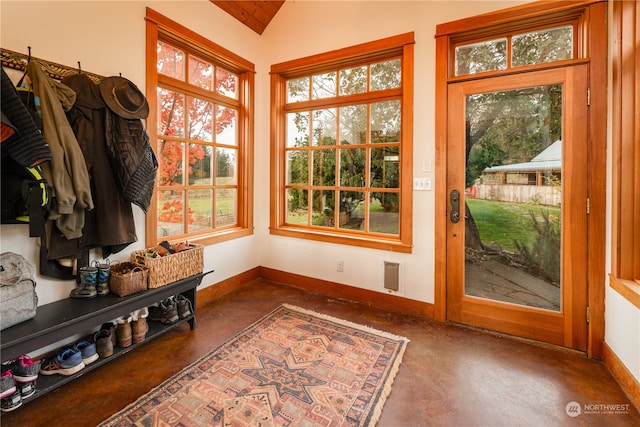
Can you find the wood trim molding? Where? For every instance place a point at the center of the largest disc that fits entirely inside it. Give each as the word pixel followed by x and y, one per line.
pixel 526 12
pixel 629 290
pixel 335 290
pixel 621 374
pixel 393 45
pixel 441 215
pixel 341 291
pixel 596 263
pixel 216 290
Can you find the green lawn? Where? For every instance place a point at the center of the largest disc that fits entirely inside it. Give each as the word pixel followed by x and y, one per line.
pixel 504 222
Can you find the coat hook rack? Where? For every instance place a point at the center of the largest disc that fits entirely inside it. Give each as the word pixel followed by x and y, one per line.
pixel 18 61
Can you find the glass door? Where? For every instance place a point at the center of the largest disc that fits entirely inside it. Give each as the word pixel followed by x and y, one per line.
pixel 516 234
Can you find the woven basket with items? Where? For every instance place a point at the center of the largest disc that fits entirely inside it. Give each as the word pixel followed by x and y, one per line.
pixel 127 278
pixel 169 263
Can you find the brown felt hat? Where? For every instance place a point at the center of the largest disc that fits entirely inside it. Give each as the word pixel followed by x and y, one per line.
pixel 124 98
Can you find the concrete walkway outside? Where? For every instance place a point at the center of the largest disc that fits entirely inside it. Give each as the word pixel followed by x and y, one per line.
pixel 492 279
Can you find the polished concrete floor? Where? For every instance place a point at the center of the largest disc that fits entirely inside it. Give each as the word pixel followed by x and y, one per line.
pixel 450 376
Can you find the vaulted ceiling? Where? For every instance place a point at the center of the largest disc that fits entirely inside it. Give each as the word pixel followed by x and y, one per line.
pixel 254 14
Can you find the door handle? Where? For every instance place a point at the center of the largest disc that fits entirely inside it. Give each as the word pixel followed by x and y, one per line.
pixel 454 197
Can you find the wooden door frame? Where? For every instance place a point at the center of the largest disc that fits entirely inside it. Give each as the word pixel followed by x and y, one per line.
pixel 592 44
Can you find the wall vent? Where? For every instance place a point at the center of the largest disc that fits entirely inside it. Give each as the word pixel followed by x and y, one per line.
pixel 391 276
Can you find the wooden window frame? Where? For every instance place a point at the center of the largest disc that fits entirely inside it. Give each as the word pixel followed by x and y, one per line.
pixel 625 245
pixel 590 17
pixel 159 27
pixel 396 46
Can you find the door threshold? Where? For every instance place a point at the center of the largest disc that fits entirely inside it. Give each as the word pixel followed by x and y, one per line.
pixel 516 338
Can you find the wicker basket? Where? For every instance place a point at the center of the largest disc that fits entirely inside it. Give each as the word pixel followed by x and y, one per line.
pixel 126 278
pixel 172 267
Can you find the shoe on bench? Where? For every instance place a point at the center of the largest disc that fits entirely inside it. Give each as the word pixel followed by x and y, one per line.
pixel 23 369
pixel 166 312
pixel 104 343
pixel 10 394
pixel 184 306
pixel 87 351
pixel 67 362
pixel 7 384
pixel 11 402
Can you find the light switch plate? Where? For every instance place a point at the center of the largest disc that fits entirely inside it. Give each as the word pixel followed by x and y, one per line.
pixel 422 184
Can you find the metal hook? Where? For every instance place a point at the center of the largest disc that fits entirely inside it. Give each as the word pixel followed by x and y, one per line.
pixel 79 68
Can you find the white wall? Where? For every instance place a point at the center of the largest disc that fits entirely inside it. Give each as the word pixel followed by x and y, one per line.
pixel 108 38
pixel 312 27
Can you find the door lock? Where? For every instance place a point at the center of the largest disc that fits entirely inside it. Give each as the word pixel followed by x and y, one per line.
pixel 454 197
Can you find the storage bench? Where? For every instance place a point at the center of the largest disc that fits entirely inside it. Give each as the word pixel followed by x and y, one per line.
pixel 68 317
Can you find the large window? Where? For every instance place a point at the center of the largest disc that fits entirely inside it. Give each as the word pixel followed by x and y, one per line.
pixel 342 145
pixel 625 271
pixel 201 130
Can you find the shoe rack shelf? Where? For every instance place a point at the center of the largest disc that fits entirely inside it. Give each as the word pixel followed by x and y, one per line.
pixel 68 317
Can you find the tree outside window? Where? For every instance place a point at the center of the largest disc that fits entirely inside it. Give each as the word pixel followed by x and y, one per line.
pixel 202 137
pixel 345 150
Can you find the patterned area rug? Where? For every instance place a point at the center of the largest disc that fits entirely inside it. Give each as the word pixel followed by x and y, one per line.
pixel 293 367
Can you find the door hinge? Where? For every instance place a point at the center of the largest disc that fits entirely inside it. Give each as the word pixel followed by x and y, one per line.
pixel 588 314
pixel 588 206
pixel 588 96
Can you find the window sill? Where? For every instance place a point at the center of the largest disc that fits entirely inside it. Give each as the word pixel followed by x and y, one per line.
pixel 210 239
pixel 393 246
pixel 629 289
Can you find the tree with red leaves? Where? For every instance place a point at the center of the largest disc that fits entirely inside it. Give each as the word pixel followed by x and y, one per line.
pixel 183 118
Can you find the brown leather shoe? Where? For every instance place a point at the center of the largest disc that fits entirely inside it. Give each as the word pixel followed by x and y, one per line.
pixel 111 327
pixel 123 331
pixel 104 345
pixel 139 328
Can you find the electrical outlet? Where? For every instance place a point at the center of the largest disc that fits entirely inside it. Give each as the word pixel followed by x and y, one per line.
pixel 339 265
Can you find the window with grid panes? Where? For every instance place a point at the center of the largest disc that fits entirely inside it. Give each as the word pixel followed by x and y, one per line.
pixel 344 147
pixel 625 252
pixel 202 138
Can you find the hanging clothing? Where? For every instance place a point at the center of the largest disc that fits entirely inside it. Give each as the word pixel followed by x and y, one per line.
pixel 67 171
pixel 110 224
pixel 25 144
pixel 23 150
pixel 134 162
